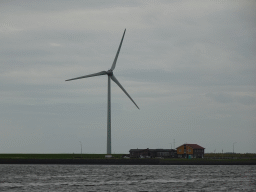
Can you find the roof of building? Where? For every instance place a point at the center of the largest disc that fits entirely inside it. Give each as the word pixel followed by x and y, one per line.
pixel 194 146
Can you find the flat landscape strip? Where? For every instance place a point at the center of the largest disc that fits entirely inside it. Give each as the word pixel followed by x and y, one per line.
pixel 102 156
pixel 56 156
pixel 129 161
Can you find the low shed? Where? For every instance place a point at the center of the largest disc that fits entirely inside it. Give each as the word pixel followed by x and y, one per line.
pixel 152 153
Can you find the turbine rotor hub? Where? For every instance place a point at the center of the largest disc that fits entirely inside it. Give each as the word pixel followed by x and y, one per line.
pixel 110 72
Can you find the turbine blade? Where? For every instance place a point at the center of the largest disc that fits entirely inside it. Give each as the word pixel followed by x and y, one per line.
pixel 114 62
pixel 91 75
pixel 116 81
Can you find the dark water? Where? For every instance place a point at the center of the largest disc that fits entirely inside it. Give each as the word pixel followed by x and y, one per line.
pixel 127 178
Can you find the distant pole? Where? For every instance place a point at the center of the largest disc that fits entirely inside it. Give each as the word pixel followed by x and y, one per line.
pixel 81 148
pixel 174 143
pixel 233 147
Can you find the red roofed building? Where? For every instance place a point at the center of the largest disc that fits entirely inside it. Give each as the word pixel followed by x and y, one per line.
pixel 194 150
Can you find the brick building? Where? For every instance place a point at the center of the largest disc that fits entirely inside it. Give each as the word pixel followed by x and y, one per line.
pixel 192 150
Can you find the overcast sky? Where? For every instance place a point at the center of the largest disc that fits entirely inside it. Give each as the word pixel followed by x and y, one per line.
pixel 189 65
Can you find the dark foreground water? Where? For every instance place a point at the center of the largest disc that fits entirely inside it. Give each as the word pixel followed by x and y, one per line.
pixel 127 178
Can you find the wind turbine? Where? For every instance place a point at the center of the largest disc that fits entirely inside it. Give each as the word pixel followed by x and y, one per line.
pixel 110 76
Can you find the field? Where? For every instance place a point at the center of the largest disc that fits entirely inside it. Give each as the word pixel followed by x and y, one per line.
pixel 230 155
pixel 117 159
pixel 56 156
pixel 115 156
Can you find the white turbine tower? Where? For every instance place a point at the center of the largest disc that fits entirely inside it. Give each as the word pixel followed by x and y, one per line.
pixel 110 76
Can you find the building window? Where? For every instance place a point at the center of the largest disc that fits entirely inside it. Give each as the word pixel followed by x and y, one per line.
pixel 180 150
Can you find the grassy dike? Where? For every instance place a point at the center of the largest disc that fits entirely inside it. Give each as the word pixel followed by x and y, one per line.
pixel 57 156
pixel 117 160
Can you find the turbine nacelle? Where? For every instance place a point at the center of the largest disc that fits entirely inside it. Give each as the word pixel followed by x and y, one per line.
pixel 110 72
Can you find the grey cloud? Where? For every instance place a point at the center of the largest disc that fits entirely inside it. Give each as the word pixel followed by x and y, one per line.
pixel 173 53
pixel 230 98
pixel 220 97
pixel 246 100
pixel 65 5
pixel 189 77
